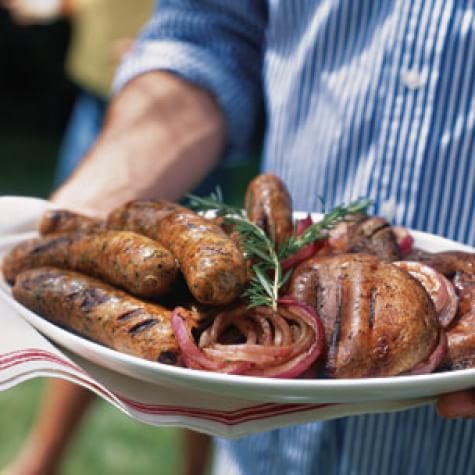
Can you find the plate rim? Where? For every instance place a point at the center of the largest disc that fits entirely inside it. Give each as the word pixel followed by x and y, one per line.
pixel 216 382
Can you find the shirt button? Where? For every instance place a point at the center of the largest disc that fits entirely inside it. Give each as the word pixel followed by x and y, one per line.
pixel 389 209
pixel 414 79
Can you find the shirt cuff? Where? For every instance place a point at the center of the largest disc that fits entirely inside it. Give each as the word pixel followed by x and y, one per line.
pixel 236 96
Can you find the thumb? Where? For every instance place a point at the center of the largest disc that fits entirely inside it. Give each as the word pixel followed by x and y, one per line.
pixel 457 404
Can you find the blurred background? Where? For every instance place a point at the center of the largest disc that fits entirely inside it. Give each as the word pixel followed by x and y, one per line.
pixel 35 103
pixel 36 100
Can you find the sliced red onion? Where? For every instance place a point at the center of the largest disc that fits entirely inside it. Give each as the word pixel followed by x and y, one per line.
pixel 305 252
pixel 193 357
pixel 282 332
pixel 299 348
pixel 231 368
pixel 265 336
pixel 434 359
pixel 303 224
pixel 447 314
pixel 404 239
pixel 300 363
pixel 291 369
pixel 188 347
pixel 237 367
pixel 310 316
pixel 439 288
pixel 249 353
pixel 301 255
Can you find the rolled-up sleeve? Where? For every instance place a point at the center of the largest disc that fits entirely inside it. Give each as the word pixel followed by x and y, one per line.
pixel 215 44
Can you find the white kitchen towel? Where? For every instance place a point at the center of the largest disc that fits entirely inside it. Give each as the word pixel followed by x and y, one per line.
pixel 25 354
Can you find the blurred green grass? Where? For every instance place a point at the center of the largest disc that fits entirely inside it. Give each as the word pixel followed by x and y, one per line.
pixel 108 442
pixel 27 164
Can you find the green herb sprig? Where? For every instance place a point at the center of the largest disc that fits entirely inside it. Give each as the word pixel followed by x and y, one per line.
pixel 319 230
pixel 268 279
pixel 213 202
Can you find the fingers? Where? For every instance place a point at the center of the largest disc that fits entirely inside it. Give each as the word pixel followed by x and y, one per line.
pixel 458 404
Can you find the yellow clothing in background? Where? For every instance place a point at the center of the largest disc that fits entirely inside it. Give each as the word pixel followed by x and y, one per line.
pixel 96 27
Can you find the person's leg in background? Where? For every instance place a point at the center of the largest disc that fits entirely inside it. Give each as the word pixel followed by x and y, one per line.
pixel 61 411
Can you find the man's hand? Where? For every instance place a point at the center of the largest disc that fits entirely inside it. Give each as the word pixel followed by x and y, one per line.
pixel 458 404
pixel 161 137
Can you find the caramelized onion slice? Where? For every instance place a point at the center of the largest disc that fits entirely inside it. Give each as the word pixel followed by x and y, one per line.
pixel 305 252
pixel 192 355
pixel 434 359
pixel 293 339
pixel 404 240
pixel 440 289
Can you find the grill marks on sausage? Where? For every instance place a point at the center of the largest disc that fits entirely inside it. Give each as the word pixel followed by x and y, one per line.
pixel 36 281
pixel 63 221
pixel 142 326
pixel 335 336
pixel 167 357
pixel 318 293
pixel 128 260
pixel 211 262
pixel 91 298
pixel 372 303
pixel 50 245
pixel 98 311
pixel 129 314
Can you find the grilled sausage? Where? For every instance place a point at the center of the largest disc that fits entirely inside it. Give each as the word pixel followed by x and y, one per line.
pixel 460 266
pixel 447 262
pixel 268 204
pixel 378 320
pixel 128 260
pixel 461 343
pixel 373 235
pixel 100 312
pixel 62 221
pixel 212 264
pixel 370 235
pixel 461 335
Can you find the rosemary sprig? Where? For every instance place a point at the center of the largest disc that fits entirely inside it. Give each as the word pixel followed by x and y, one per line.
pixel 213 202
pixel 320 229
pixel 264 286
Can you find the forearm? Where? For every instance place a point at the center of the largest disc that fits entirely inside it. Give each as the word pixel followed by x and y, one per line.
pixel 160 138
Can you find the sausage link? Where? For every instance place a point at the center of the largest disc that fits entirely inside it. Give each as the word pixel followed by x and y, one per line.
pixel 446 262
pixel 99 312
pixel 62 221
pixel 268 204
pixel 212 264
pixel 128 260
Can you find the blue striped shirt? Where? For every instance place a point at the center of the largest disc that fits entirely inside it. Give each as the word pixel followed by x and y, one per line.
pixel 362 98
